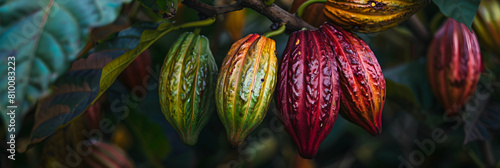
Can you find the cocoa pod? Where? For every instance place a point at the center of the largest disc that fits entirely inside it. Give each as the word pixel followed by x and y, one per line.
pixel 187 84
pixel 487 25
pixel 93 116
pixel 308 90
pixel 234 23
pixel 361 79
pixel 106 155
pixel 136 74
pixel 245 85
pixel 314 13
pixel 453 65
pixel 371 16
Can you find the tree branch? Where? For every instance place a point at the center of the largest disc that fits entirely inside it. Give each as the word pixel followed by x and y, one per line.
pixel 209 10
pixel 273 12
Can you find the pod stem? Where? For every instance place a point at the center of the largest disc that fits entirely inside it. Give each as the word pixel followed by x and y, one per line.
pixel 306 4
pixel 199 23
pixel 268 2
pixel 197 30
pixel 276 32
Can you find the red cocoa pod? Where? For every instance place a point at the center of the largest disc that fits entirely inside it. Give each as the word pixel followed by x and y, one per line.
pixel 136 74
pixel 93 116
pixel 361 79
pixel 106 155
pixel 308 90
pixel 453 65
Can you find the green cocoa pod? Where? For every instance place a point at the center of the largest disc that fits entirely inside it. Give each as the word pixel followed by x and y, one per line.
pixel 187 84
pixel 245 85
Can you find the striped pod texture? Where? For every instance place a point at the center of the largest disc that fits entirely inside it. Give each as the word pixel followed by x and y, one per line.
pixel 453 65
pixel 487 25
pixel 187 83
pixel 308 90
pixel 106 155
pixel 245 85
pixel 361 79
pixel 368 16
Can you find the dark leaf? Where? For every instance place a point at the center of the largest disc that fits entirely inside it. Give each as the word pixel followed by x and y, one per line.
pixel 45 36
pixel 86 80
pixel 462 11
pixel 413 76
pixel 482 114
pixel 164 8
pixel 150 135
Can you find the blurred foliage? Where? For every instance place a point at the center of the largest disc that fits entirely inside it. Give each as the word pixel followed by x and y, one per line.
pixel 45 36
pixel 78 88
pixel 411 113
pixel 462 11
pixel 164 8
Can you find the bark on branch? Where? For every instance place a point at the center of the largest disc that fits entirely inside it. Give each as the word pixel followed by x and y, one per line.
pixel 273 12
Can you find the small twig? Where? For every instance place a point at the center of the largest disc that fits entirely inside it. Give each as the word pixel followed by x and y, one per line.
pixel 209 10
pixel 134 10
pixel 276 14
pixel 418 28
pixel 276 32
pixel 268 2
pixel 474 157
pixel 487 153
pixel 306 4
pixel 273 12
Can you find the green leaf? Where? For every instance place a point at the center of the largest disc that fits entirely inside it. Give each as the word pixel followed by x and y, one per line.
pixel 149 135
pixel 111 71
pixel 398 91
pixel 45 36
pixel 462 11
pixel 411 79
pixel 164 8
pixel 91 76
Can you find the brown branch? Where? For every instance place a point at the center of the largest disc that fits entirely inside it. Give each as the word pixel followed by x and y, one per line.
pixel 273 12
pixel 209 10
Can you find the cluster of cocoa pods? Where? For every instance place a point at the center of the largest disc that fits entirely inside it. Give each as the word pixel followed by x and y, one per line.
pixel 322 73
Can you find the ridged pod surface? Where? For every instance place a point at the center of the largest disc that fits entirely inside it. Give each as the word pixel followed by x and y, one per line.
pixel 245 85
pixel 487 25
pixel 308 90
pixel 106 155
pixel 361 79
pixel 453 65
pixel 187 83
pixel 370 16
